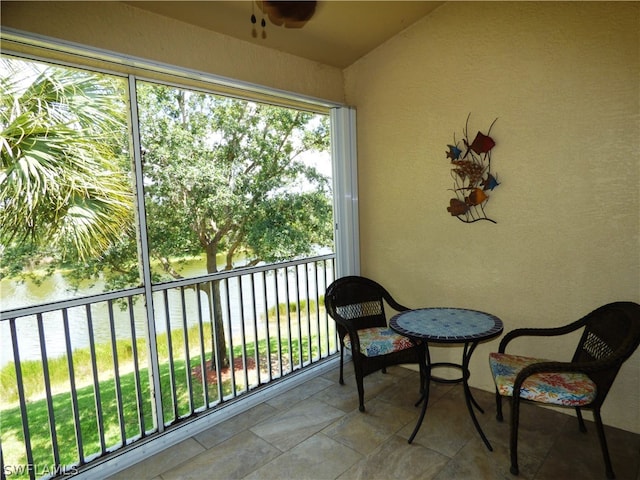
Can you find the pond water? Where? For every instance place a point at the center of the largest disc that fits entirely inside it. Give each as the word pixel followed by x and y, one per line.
pixel 54 288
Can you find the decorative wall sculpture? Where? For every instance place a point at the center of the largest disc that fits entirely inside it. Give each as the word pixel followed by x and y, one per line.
pixel 472 175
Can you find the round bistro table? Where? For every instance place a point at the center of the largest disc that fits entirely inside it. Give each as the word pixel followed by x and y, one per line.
pixel 448 325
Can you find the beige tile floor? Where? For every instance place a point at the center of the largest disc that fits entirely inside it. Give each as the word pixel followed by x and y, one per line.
pixel 315 431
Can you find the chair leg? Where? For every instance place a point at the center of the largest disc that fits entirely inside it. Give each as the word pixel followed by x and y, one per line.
pixel 513 446
pixel 603 444
pixel 341 365
pixel 360 382
pixel 357 367
pixel 499 416
pixel 581 425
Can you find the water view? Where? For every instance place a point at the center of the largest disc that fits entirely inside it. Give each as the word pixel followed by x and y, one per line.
pixel 55 288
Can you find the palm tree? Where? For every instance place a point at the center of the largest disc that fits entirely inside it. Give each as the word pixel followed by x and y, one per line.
pixel 63 148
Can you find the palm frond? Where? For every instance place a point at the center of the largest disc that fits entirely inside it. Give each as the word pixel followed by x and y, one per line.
pixel 62 178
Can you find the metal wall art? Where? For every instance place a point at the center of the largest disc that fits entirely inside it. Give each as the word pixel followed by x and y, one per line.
pixel 472 175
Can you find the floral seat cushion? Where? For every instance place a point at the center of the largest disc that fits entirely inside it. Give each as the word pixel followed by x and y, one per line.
pixel 567 388
pixel 379 341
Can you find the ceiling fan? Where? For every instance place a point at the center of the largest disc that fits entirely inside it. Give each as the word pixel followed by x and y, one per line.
pixel 289 14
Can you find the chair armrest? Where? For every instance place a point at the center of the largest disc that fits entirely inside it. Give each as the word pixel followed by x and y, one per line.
pixel 395 305
pixel 539 332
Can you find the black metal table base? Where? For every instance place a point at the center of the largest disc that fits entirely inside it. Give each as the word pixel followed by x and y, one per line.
pixel 471 402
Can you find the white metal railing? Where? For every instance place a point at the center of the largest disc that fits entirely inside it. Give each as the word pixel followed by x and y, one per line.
pixel 89 386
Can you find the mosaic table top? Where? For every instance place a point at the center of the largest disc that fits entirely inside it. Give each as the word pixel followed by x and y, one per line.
pixel 447 325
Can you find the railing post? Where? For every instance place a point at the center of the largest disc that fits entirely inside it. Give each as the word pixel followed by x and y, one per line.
pixel 152 347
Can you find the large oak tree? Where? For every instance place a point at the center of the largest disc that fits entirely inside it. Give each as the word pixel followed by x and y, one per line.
pixel 227 177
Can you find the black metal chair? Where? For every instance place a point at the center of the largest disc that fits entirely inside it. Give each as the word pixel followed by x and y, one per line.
pixel 357 306
pixel 611 334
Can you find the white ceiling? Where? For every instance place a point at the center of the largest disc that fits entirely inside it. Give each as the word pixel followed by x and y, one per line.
pixel 339 33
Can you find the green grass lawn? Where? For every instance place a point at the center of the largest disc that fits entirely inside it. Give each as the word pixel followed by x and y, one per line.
pixel 13 446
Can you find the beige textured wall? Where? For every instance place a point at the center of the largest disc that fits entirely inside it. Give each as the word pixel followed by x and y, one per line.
pixel 564 81
pixel 121 28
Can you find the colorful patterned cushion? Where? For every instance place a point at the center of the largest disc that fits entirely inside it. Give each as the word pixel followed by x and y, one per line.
pixel 568 389
pixel 379 341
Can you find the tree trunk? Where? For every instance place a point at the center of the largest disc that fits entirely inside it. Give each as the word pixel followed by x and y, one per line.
pixel 215 307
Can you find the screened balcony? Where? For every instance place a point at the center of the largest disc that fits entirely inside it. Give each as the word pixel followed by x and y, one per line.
pixel 286 418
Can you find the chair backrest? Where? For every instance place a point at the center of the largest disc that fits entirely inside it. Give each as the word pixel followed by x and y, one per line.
pixel 357 302
pixel 611 334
